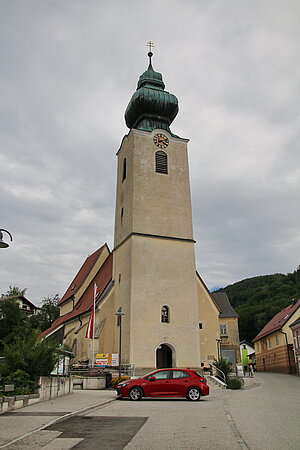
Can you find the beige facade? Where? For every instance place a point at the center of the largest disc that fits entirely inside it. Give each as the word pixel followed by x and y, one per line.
pixel 229 335
pixel 209 334
pixel 169 317
pixel 274 344
pixel 274 352
pixel 154 255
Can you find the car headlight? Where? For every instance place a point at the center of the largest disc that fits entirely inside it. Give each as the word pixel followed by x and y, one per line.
pixel 123 384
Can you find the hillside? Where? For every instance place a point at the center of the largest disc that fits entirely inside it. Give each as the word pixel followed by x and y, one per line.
pixel 258 299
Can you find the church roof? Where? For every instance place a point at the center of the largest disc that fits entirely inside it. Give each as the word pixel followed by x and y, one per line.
pixel 151 106
pixel 224 304
pixel 81 274
pixel 277 322
pixel 85 303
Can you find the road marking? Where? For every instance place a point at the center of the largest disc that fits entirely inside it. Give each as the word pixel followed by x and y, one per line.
pixel 62 443
pixel 59 419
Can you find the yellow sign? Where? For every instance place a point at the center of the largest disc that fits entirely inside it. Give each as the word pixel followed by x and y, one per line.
pixel 107 359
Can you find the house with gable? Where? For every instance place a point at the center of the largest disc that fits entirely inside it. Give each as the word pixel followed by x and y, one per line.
pixel 229 328
pixel 274 343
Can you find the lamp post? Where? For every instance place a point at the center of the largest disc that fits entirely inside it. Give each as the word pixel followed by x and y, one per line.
pixel 219 348
pixel 2 243
pixel 119 314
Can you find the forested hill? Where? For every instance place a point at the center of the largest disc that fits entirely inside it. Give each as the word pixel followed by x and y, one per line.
pixel 258 299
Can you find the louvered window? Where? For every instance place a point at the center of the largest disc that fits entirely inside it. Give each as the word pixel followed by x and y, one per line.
pixel 124 173
pixel 161 162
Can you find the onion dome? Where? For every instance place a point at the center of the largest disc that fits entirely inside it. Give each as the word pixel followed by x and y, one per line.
pixel 151 106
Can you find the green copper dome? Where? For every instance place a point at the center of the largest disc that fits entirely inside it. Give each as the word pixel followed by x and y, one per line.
pixel 151 106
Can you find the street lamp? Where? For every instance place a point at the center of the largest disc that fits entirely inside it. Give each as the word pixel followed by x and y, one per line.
pixel 119 324
pixel 2 243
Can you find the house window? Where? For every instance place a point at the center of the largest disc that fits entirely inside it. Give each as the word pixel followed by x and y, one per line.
pixel 124 170
pixel 165 316
pixel 223 329
pixel 161 162
pixel 277 339
pixel 270 342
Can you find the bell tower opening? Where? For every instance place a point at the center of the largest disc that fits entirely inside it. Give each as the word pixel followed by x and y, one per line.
pixel 163 356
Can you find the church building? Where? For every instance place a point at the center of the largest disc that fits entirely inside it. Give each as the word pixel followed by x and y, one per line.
pixel 169 318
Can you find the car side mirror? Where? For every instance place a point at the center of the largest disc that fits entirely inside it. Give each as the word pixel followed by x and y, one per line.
pixel 152 379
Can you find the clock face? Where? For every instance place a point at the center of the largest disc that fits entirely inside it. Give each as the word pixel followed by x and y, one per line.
pixel 161 141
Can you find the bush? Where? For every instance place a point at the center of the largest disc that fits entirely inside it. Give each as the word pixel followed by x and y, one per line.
pixel 235 383
pixel 225 366
pixel 27 353
pixel 22 382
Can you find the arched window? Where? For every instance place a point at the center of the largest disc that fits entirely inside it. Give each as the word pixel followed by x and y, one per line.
pixel 165 314
pixel 124 170
pixel 74 347
pixel 161 162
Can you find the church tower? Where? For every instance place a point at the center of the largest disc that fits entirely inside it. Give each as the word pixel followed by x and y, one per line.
pixel 154 259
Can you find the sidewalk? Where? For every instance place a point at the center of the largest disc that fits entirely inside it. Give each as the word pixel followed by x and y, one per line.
pixel 250 382
pixel 24 421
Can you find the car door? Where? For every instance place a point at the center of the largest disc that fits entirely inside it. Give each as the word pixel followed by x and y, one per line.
pixel 159 386
pixel 179 382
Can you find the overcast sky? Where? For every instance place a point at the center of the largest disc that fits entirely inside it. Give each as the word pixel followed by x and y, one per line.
pixel 68 71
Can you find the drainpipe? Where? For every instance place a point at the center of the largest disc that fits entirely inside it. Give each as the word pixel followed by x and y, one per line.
pixel 287 349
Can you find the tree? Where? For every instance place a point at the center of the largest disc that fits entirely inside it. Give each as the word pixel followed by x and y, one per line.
pixel 12 320
pixel 14 291
pixel 28 353
pixel 48 312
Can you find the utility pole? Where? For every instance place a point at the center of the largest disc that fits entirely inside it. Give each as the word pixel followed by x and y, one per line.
pixel 119 314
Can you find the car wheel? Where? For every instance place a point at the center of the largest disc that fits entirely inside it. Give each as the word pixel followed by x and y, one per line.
pixel 193 394
pixel 135 393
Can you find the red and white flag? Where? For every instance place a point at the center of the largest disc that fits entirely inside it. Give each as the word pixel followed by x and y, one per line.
pixel 90 331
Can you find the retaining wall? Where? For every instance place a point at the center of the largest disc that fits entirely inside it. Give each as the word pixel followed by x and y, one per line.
pixel 50 387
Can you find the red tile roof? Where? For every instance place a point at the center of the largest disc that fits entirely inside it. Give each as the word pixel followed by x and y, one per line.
pixel 82 274
pixel 84 304
pixel 277 322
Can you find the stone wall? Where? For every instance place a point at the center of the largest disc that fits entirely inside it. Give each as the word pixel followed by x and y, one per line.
pixel 50 387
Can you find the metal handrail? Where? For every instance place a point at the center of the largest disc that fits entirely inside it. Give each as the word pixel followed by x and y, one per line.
pixel 221 372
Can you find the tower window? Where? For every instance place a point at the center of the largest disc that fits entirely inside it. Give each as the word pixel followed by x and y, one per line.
pixel 124 170
pixel 165 315
pixel 161 162
pixel 122 214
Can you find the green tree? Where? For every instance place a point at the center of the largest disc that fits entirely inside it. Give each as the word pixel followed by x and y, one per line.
pixel 48 312
pixel 258 299
pixel 14 291
pixel 28 353
pixel 12 320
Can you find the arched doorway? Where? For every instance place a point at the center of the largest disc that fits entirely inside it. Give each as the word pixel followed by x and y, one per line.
pixel 163 356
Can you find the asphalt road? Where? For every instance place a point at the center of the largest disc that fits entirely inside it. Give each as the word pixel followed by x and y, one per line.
pixel 263 417
pixel 268 416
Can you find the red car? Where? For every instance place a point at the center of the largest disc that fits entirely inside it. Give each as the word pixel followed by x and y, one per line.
pixel 165 383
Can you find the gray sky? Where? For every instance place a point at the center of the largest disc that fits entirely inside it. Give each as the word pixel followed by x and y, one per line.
pixel 68 70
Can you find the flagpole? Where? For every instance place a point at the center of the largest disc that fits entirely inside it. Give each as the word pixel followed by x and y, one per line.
pixel 94 310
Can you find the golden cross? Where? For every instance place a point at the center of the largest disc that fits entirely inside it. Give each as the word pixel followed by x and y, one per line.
pixel 150 45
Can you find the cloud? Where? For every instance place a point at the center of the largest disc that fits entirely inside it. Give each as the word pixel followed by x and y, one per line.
pixel 68 72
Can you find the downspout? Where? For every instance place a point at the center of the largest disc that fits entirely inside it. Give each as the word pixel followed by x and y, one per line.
pixel 287 349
